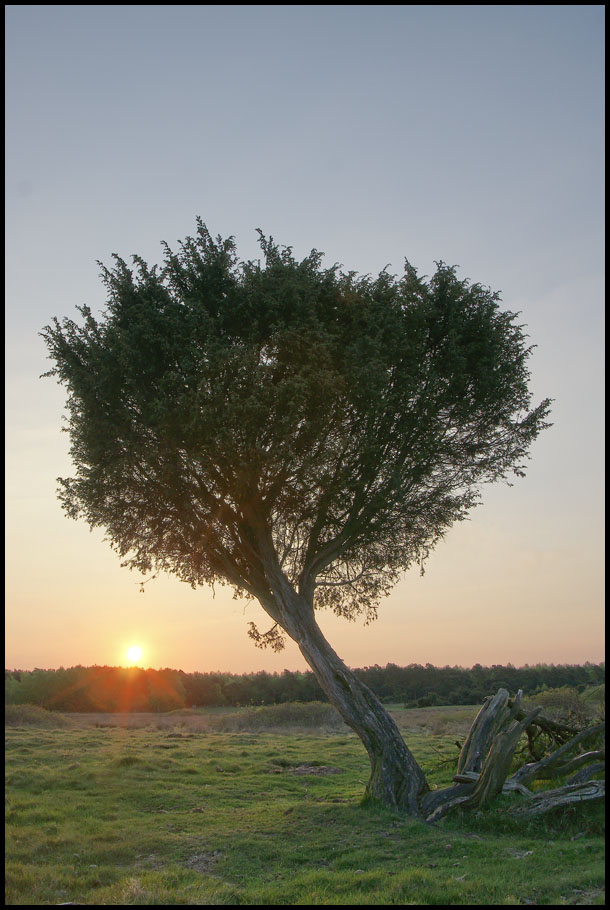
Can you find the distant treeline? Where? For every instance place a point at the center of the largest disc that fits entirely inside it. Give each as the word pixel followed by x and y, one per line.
pixel 111 689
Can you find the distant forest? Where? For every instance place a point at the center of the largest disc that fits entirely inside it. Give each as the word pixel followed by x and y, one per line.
pixel 114 689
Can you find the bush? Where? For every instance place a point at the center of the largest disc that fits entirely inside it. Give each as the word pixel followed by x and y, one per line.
pixel 313 715
pixel 595 700
pixel 34 716
pixel 567 705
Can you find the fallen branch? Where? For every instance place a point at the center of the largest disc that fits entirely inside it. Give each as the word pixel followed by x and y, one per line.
pixel 569 795
pixel 577 762
pixel 529 772
pixel 587 773
pixel 495 713
pixel 509 786
pixel 487 754
pixel 486 757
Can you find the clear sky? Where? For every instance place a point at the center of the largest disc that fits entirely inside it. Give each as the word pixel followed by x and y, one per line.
pixel 471 134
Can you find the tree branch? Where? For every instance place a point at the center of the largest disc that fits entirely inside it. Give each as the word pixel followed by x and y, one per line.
pixel 571 794
pixel 535 769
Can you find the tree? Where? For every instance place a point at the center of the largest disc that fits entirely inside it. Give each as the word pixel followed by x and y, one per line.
pixel 302 434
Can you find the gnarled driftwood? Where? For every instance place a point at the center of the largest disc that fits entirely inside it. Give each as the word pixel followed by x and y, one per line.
pixel 487 754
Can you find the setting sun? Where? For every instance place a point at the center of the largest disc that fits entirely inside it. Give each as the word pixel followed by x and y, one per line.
pixel 134 654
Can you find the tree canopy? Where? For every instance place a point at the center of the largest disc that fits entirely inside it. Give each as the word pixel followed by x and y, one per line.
pixel 353 418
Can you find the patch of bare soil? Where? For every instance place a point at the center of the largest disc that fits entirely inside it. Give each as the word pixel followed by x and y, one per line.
pixel 314 769
pixel 152 861
pixel 583 897
pixel 203 862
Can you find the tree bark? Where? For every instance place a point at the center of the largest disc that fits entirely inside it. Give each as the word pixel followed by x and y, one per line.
pixel 396 779
pixel 485 758
pixel 570 795
pixel 494 715
pixel 548 764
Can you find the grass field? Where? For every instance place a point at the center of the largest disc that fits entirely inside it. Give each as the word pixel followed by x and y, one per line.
pixel 263 806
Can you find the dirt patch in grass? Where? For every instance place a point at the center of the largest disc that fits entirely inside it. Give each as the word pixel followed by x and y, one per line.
pixel 314 769
pixel 203 862
pixel 588 898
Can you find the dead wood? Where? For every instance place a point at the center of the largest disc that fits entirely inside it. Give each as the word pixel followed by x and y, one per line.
pixel 487 755
pixel 571 794
pixel 549 763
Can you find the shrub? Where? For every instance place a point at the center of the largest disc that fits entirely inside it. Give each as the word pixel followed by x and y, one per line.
pixel 566 705
pixel 309 715
pixel 595 700
pixel 34 716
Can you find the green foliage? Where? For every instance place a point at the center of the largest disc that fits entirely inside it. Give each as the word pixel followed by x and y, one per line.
pixel 97 689
pixel 119 689
pixel 218 409
pixel 567 705
pixel 595 700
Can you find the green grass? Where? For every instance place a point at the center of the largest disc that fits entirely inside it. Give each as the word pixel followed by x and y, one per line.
pixel 140 815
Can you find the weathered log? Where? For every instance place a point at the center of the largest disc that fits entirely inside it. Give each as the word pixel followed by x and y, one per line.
pixel 586 774
pixel 486 756
pixel 559 732
pixel 496 765
pixel 509 786
pixel 437 803
pixel 529 772
pixel 561 797
pixel 577 762
pixel 493 716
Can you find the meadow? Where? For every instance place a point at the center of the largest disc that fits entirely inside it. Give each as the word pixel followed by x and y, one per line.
pixel 264 806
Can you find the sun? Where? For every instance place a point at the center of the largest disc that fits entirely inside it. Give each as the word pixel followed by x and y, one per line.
pixel 134 654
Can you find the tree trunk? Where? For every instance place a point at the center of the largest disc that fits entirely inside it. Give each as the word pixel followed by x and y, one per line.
pixel 396 779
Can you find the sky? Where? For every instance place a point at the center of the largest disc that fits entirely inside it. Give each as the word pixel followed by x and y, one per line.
pixel 468 134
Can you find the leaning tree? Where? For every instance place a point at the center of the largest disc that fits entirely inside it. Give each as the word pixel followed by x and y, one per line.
pixel 304 435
